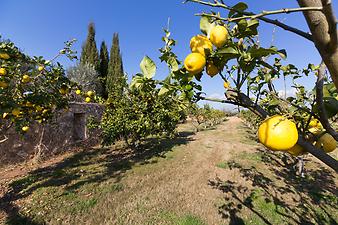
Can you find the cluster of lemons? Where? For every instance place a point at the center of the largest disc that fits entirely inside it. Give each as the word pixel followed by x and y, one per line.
pixel 280 134
pixel 201 46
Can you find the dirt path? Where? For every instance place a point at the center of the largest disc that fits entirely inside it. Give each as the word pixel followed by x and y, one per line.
pixel 179 185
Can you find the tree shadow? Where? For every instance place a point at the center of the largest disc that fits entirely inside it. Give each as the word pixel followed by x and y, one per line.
pixel 286 196
pixel 112 164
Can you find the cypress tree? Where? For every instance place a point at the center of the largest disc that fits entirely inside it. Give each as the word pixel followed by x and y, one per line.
pixel 116 80
pixel 89 53
pixel 104 60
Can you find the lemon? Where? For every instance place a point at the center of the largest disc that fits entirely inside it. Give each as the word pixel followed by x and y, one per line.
pixel 90 93
pixel 278 133
pixel 218 36
pixel 296 150
pixel 200 44
pixel 78 91
pixel 4 56
pixel 3 71
pixel 194 63
pixel 326 142
pixel 25 128
pixel 87 99
pixel 315 123
pixel 226 84
pixel 16 112
pixel 25 79
pixel 212 70
pixel 40 68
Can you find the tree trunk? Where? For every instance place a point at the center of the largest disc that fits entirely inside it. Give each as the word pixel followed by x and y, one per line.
pixel 322 25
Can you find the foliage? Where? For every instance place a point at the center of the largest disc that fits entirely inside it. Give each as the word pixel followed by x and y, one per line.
pixel 89 54
pixel 139 114
pixel 206 116
pixel 32 88
pixel 116 81
pixel 86 76
pixel 104 60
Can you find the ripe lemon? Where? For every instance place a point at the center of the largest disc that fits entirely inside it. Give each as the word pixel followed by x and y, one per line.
pixel 212 70
pixel 90 93
pixel 3 84
pixel 40 68
pixel 226 84
pixel 278 133
pixel 296 150
pixel 87 99
pixel 218 36
pixel 3 71
pixel 326 142
pixel 4 56
pixel 26 79
pixel 200 44
pixel 194 63
pixel 16 112
pixel 25 128
pixel 78 91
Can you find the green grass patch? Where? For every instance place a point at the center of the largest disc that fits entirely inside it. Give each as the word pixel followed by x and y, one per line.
pixel 223 165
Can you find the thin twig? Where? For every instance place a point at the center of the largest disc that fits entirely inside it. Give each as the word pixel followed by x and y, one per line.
pixel 263 18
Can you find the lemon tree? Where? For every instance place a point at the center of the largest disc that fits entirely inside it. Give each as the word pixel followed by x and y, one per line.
pixel 249 72
pixel 31 88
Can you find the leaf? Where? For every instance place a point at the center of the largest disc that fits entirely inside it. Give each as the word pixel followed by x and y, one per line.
pixel 173 64
pixel 206 25
pixel 242 25
pixel 162 91
pixel 228 50
pixel 148 67
pixel 241 6
pixel 282 53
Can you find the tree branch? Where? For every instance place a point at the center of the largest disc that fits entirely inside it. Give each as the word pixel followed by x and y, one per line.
pixel 245 101
pixel 323 118
pixel 265 19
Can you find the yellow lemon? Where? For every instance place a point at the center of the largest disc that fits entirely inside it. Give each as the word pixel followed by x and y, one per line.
pixel 315 123
pixel 3 84
pixel 16 112
pixel 90 93
pixel 3 71
pixel 25 128
pixel 296 150
pixel 211 69
pixel 226 84
pixel 326 142
pixel 25 79
pixel 4 56
pixel 278 133
pixel 87 99
pixel 40 68
pixel 200 44
pixel 218 36
pixel 78 91
pixel 194 63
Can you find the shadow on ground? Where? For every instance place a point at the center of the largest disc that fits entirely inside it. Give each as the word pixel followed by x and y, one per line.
pixel 273 194
pixel 103 164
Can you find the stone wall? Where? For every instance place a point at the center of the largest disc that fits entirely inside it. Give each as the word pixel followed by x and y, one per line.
pixel 65 131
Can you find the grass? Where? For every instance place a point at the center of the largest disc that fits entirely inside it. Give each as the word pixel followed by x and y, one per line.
pixel 171 218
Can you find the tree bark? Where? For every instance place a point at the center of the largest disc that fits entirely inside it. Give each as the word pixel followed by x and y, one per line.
pixel 322 25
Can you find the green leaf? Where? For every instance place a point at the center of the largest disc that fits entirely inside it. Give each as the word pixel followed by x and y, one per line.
pixel 241 6
pixel 228 50
pixel 205 25
pixel 282 53
pixel 242 25
pixel 173 64
pixel 148 67
pixel 162 91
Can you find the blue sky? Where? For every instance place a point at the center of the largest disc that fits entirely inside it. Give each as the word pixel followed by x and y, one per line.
pixel 40 27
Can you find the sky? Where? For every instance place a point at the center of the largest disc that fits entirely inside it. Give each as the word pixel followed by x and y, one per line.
pixel 40 27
